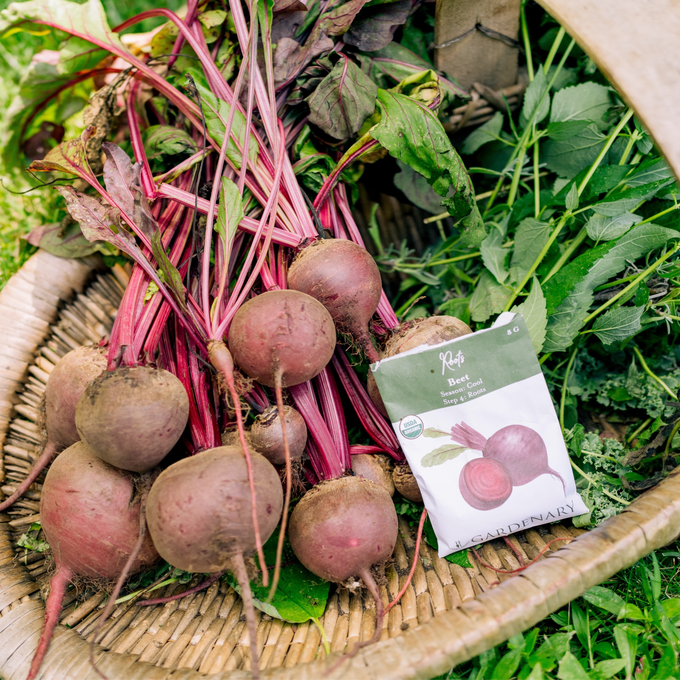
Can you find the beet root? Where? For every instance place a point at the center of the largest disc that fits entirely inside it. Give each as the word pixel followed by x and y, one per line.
pixel 345 279
pixel 266 434
pixel 199 508
pixel 342 527
pixel 484 484
pixel 405 483
pixel 282 333
pixel 68 380
pixel 432 330
pixel 376 467
pixel 133 416
pixel 90 513
pixel 199 516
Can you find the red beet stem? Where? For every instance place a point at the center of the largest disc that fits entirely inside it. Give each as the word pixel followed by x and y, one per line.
pixel 62 577
pixel 221 359
pixel 45 459
pixel 416 555
pixel 178 596
pixel 247 597
pixel 467 436
pixel 286 502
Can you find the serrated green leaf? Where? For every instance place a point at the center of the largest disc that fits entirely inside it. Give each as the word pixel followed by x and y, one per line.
pixel 615 325
pixel 434 433
pixel 417 189
pixel 533 309
pixel 652 170
pixel 566 130
pixel 62 241
pixel 413 134
pixel 569 156
pixel 601 228
pixel 494 255
pixel 571 202
pixel 488 132
pixel 628 199
pixel 536 99
pixel 586 101
pixel 441 455
pixel 489 297
pixel 530 238
pixel 569 293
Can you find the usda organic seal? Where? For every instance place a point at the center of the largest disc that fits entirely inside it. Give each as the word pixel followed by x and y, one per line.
pixel 411 427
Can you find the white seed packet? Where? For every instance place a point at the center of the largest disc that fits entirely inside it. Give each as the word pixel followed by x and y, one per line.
pixel 478 427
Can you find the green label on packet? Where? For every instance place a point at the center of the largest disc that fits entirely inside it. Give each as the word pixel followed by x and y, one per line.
pixel 456 372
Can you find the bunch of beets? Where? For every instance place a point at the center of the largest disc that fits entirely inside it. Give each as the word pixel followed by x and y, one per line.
pixel 239 288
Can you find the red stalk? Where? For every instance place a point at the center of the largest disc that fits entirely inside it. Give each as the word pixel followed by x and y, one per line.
pixel 334 416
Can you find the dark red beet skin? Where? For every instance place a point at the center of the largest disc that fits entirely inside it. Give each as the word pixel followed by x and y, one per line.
pixel 90 513
pixel 345 279
pixel 342 527
pixel 66 384
pixel 282 332
pixel 485 484
pixel 199 509
pixel 133 416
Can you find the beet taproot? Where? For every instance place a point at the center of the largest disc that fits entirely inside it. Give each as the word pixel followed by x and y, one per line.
pixel 345 279
pixel 199 516
pixel 343 527
pixel 405 483
pixel 282 333
pixel 90 513
pixel 66 384
pixel 266 434
pixel 376 467
pixel 133 416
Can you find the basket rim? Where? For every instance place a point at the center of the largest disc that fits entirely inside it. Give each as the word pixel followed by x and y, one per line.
pixel 448 639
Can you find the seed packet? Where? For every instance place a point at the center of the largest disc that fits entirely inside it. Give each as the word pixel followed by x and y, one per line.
pixel 478 427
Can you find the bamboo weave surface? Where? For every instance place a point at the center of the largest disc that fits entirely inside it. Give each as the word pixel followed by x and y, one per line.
pixel 447 615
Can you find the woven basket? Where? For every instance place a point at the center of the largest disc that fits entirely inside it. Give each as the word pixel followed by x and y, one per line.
pixel 448 614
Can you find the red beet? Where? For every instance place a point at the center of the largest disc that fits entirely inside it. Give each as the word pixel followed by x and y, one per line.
pixel 345 279
pixel 484 483
pixel 341 528
pixel 266 434
pixel 133 416
pixel 282 337
pixel 282 333
pixel 520 449
pixel 405 483
pixel 199 516
pixel 90 513
pixel 376 467
pixel 430 331
pixel 68 380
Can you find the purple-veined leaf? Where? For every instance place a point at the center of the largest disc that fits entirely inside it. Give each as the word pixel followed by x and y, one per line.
pixel 343 100
pixel 69 157
pixel 374 28
pixel 63 241
pixel 99 222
